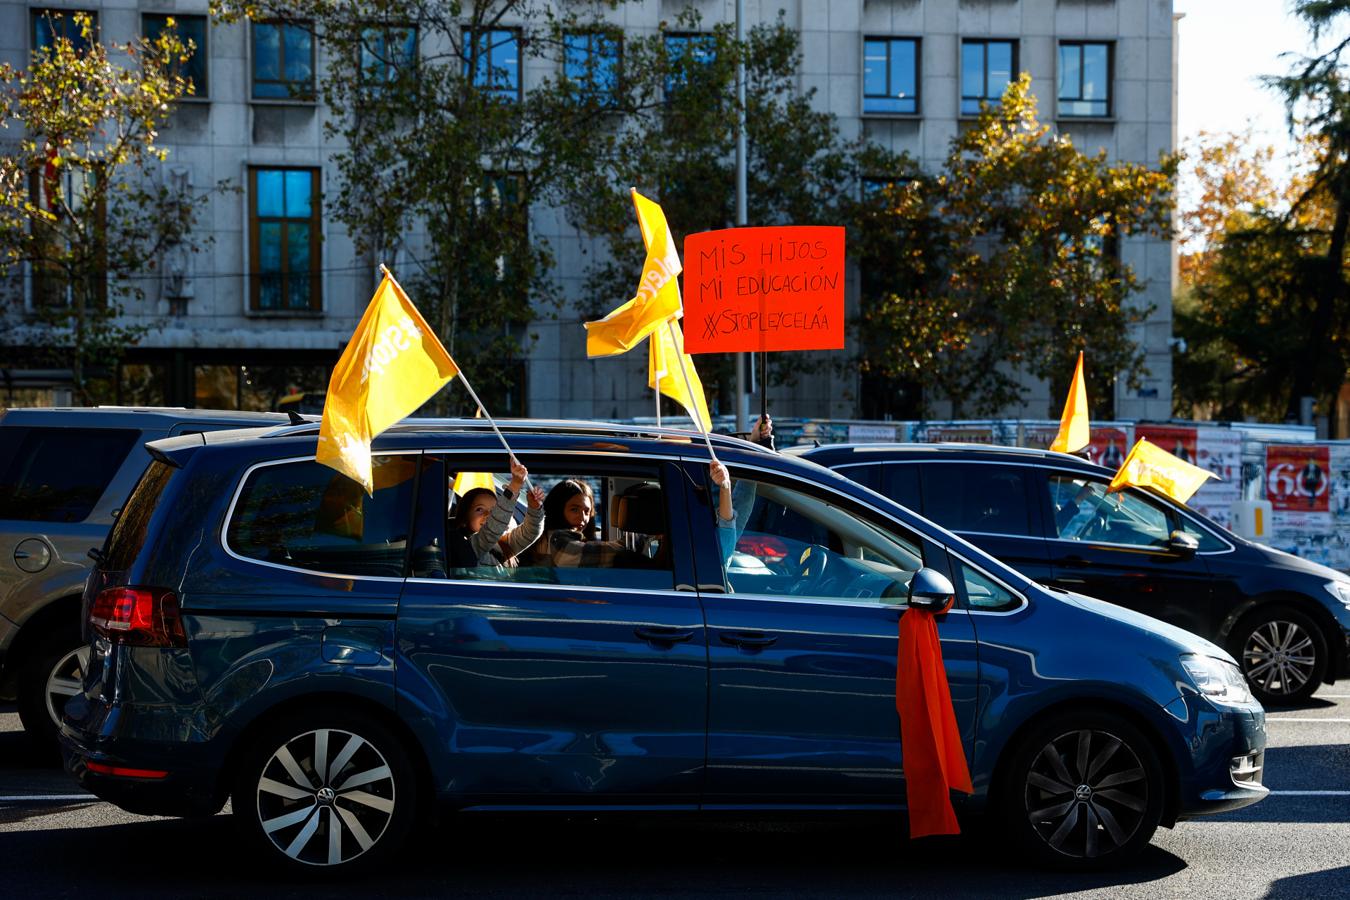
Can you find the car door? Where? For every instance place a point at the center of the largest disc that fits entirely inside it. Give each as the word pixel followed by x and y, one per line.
pixel 1115 547
pixel 994 505
pixel 802 607
pixel 560 685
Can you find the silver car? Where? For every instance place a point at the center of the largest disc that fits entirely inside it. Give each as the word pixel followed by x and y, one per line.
pixel 64 474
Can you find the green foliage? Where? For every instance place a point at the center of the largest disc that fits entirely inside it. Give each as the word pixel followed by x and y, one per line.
pixel 1002 262
pixel 79 200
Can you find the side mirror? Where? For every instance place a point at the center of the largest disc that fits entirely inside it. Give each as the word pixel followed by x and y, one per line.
pixel 930 589
pixel 1182 543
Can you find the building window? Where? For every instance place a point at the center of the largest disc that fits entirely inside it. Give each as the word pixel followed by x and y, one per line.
pixel 492 58
pixel 283 225
pixel 387 52
pixel 1085 79
pixel 190 29
pixel 51 24
pixel 685 54
pixel 891 76
pixel 591 63
pixel 283 61
pixel 986 69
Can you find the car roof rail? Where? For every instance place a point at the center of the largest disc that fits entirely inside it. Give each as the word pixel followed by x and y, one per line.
pixel 578 427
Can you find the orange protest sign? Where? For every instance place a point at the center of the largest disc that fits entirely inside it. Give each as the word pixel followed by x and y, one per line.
pixel 755 289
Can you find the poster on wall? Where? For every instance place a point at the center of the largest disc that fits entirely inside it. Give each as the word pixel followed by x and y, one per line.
pixel 1218 450
pixel 1178 440
pixel 871 434
pixel 953 433
pixel 1298 485
pixel 1109 446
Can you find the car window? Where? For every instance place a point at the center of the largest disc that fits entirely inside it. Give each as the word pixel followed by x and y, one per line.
pixel 127 535
pixel 1084 511
pixel 901 484
pixel 983 592
pixel 1207 541
pixel 307 516
pixel 58 474
pixel 983 498
pixel 787 542
pixel 621 542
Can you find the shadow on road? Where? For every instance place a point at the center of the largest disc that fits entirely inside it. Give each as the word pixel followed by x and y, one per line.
pixel 1327 883
pixel 512 858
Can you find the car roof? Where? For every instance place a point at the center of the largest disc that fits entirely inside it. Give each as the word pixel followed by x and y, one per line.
pixel 131 416
pixel 842 454
pixel 521 434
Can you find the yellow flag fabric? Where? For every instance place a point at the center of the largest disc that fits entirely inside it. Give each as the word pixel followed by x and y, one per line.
pixel 467 481
pixel 664 355
pixel 391 366
pixel 658 293
pixel 1074 433
pixel 1148 465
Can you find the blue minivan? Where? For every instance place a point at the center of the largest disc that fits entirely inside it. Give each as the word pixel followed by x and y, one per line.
pixel 263 631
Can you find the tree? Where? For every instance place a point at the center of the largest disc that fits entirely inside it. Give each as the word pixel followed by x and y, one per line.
pixel 671 135
pixel 1009 264
pixel 1317 96
pixel 1241 311
pixel 80 203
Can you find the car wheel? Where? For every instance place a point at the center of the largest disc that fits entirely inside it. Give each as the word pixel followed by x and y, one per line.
pixel 326 791
pixel 1282 653
pixel 51 673
pixel 1082 790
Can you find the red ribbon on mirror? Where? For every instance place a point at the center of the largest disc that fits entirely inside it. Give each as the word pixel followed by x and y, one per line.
pixel 932 757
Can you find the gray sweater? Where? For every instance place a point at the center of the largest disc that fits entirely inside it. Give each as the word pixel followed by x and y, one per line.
pixel 484 543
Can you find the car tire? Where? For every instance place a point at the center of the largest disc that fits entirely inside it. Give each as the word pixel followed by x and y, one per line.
pixel 1282 653
pixel 325 792
pixel 1081 790
pixel 51 672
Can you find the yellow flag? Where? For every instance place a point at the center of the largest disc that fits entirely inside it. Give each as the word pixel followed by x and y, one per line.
pixel 664 374
pixel 1148 465
pixel 1074 434
pixel 658 293
pixel 467 481
pixel 391 366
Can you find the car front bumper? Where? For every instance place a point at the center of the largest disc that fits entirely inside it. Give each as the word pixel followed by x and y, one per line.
pixel 1227 756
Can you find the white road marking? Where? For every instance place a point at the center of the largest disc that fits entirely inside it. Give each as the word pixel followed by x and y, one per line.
pixel 1270 719
pixel 1310 793
pixel 18 798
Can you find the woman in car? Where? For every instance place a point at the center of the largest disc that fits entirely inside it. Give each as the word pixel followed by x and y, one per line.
pixel 481 532
pixel 569 527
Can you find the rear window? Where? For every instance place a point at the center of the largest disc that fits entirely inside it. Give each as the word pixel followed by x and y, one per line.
pixel 58 474
pixel 128 532
pixel 983 498
pixel 307 516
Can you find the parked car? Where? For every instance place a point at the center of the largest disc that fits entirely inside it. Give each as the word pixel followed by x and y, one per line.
pixel 1287 620
pixel 63 475
pixel 262 630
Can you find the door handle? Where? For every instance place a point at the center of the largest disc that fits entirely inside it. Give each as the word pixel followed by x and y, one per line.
pixel 657 634
pixel 747 639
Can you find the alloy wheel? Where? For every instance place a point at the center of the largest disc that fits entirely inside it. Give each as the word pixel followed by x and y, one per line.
pixel 1086 794
pixel 65 680
pixel 1279 657
pixel 325 797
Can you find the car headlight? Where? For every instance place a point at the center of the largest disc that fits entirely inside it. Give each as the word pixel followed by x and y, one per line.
pixel 1340 590
pixel 1220 681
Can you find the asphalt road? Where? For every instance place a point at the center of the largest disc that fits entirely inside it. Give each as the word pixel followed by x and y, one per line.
pixel 1294 844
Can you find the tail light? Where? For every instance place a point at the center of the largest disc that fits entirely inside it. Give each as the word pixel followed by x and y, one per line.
pixel 144 617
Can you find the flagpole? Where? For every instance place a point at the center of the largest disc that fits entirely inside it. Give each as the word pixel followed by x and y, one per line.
pixel 689 389
pixel 468 387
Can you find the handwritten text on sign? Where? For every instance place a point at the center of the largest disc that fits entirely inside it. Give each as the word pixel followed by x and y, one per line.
pixel 749 289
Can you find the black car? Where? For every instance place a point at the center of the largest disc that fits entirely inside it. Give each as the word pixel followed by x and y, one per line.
pixel 1286 620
